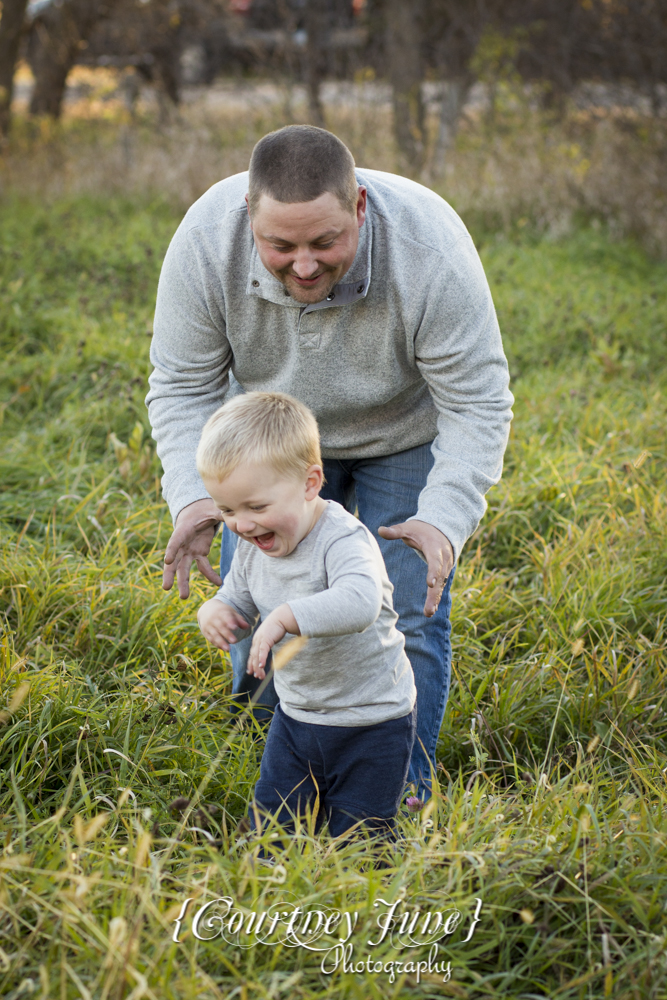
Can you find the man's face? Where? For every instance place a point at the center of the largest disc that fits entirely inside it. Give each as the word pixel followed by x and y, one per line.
pixel 308 245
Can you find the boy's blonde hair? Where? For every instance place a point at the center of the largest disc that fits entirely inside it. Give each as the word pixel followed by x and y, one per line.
pixel 267 427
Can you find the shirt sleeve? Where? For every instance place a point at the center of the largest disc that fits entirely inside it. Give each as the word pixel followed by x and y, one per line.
pixel 353 600
pixel 458 350
pixel 236 593
pixel 191 357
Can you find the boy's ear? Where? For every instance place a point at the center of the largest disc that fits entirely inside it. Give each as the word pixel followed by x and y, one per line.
pixel 314 481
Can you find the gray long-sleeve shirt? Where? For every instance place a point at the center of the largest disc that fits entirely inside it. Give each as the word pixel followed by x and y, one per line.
pixel 354 670
pixel 405 351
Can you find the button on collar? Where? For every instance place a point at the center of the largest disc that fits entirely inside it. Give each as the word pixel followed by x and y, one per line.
pixel 331 296
pixel 255 283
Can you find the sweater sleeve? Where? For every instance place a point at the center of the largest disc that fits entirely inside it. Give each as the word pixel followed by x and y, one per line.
pixel 191 357
pixel 353 600
pixel 458 351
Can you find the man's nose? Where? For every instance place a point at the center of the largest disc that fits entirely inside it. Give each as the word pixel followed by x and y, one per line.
pixel 305 265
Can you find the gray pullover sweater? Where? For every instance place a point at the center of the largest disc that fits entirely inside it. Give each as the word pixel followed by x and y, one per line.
pixel 353 671
pixel 405 351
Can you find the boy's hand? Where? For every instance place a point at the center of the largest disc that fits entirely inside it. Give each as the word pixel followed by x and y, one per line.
pixel 218 622
pixel 271 631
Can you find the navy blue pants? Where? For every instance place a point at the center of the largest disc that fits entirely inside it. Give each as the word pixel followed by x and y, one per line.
pixel 358 772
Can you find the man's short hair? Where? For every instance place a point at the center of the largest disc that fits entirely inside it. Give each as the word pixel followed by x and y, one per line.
pixel 299 163
pixel 269 427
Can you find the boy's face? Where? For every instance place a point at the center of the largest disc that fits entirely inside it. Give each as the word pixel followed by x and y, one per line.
pixel 270 510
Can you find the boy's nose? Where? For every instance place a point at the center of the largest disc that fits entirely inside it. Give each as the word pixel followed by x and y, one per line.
pixel 244 527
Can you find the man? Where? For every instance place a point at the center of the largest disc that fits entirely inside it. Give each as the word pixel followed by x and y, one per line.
pixel 361 294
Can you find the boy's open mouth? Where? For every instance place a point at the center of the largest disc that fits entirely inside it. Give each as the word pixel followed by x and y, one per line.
pixel 265 541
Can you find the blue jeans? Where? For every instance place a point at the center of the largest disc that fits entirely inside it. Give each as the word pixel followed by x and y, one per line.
pixel 385 491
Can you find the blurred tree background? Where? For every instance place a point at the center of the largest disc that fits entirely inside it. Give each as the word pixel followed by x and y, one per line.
pixel 553 44
pixel 547 110
pixel 536 110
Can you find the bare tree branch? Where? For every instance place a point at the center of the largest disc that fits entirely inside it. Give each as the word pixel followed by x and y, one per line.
pixel 11 27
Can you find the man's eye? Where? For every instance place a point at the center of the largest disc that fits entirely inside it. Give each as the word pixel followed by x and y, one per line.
pixel 323 246
pixel 261 506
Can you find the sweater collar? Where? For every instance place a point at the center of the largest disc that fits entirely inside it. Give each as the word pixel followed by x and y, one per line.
pixel 352 286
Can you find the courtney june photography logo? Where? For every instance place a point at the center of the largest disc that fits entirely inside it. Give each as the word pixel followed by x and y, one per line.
pixel 339 938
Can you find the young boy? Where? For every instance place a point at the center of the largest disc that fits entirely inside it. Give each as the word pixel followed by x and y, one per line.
pixel 345 724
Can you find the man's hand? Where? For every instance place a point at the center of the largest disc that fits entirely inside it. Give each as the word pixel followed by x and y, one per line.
pixel 191 542
pixel 271 631
pixel 436 549
pixel 218 622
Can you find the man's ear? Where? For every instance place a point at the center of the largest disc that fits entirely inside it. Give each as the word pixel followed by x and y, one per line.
pixel 360 210
pixel 247 205
pixel 314 481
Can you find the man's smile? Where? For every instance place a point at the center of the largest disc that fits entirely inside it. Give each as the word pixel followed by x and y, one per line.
pixel 307 282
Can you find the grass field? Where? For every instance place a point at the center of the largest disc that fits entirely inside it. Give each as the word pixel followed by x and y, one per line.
pixel 552 762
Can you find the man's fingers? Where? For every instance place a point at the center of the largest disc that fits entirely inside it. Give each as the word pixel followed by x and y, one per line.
pixel 191 539
pixel 205 568
pixel 431 605
pixel 436 550
pixel 435 582
pixel 178 539
pixel 168 574
pixel 435 574
pixel 181 570
pixel 389 532
pixel 400 533
pixel 433 600
pixel 171 551
pixel 183 576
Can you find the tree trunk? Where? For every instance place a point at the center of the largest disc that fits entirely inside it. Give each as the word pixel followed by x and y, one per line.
pixel 405 73
pixel 11 26
pixel 454 96
pixel 55 42
pixel 316 23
